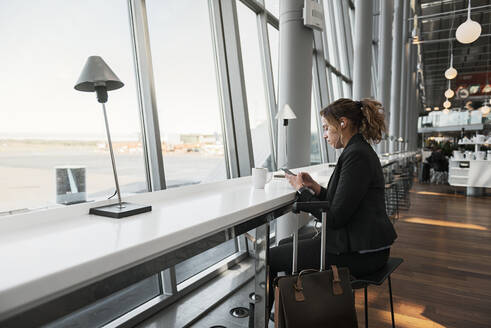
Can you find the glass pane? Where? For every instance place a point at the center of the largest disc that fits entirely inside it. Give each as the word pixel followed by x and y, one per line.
pixel 186 91
pixel 315 151
pixel 274 46
pixel 198 263
pixel 45 123
pixel 274 7
pixel 111 307
pixel 256 97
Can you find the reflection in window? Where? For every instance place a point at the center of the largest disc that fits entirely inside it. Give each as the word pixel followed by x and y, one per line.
pixel 186 91
pixel 254 83
pixel 44 122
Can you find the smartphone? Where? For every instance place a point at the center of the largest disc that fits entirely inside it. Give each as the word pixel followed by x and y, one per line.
pixel 287 171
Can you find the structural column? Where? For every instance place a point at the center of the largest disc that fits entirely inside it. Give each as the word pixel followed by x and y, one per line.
pixel 384 58
pixel 395 84
pixel 295 87
pixel 362 49
pixel 408 137
pixel 404 73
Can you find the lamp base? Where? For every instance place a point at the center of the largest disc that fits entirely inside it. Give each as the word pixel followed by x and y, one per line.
pixel 116 211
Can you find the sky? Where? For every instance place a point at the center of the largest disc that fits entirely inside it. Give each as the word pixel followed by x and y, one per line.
pixel 46 43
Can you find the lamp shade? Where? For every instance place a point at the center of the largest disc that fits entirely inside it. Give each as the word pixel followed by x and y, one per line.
pixel 468 32
pixel 286 113
pixel 447 104
pixel 449 93
pixel 97 73
pixel 485 110
pixel 451 73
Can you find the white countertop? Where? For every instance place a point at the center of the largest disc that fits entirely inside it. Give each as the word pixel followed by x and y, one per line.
pixel 48 253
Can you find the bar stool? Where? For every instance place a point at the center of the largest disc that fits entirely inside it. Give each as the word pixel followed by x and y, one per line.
pixel 378 279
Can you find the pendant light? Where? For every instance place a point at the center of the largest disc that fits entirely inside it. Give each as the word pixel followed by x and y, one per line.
pixel 451 72
pixel 485 109
pixel 469 31
pixel 447 104
pixel 445 111
pixel 449 92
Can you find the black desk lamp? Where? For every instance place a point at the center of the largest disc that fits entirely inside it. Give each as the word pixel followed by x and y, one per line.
pixel 98 77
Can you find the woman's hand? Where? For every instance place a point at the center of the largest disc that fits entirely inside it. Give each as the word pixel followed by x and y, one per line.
pixel 303 179
pixel 295 180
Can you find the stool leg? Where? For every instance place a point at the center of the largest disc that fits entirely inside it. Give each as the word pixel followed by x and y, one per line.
pixel 391 304
pixel 366 307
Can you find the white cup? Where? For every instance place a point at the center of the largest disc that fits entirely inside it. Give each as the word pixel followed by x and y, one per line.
pixel 260 177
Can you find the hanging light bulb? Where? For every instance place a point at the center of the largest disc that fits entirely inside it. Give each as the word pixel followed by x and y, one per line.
pixel 469 31
pixel 451 72
pixel 436 108
pixel 445 111
pixel 449 92
pixel 428 109
pixel 447 104
pixel 485 109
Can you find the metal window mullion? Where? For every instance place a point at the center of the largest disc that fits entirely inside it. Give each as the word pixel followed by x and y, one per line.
pixel 224 87
pixel 332 23
pixel 374 68
pixel 147 102
pixel 321 94
pixel 237 110
pixel 341 38
pixel 149 113
pixel 325 48
pixel 349 36
pixel 262 27
pixel 231 160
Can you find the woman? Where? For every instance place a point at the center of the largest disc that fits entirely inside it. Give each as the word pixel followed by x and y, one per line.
pixel 359 233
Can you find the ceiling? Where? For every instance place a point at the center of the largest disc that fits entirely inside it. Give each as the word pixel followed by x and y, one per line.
pixel 438 21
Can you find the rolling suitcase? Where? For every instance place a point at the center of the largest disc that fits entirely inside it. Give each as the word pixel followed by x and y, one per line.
pixel 314 298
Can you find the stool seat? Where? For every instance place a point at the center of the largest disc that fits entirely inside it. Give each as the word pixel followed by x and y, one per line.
pixel 378 277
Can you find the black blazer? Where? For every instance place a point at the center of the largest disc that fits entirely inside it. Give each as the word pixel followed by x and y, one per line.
pixel 356 218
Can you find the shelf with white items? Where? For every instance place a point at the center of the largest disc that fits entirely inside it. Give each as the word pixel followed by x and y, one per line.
pixel 478 174
pixel 473 143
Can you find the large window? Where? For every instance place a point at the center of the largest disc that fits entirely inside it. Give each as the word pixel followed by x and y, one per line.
pixel 186 91
pixel 254 83
pixel 45 123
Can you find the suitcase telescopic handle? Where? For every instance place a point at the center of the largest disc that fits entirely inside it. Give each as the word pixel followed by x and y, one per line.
pixel 309 207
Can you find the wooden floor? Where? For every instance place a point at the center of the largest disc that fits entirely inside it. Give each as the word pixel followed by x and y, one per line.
pixel 445 280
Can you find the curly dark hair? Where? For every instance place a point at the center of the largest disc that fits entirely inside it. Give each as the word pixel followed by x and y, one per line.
pixel 367 116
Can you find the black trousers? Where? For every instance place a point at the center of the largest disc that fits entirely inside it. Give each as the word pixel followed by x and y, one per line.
pixel 280 259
